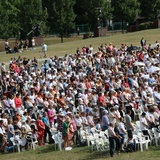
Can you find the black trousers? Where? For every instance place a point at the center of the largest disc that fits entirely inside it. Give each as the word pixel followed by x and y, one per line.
pixel 111 146
pixel 47 131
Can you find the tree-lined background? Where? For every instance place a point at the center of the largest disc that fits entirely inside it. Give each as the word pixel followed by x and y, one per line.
pixel 21 18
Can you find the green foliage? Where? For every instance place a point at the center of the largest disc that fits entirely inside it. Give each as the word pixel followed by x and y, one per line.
pixel 87 12
pixel 146 25
pixel 127 10
pixel 18 17
pixel 8 15
pixel 88 35
pixel 62 17
pixel 150 9
pixel 31 15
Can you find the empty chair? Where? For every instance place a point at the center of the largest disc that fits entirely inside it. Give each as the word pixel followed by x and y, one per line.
pixel 16 143
pixel 156 135
pixel 58 140
pixel 32 142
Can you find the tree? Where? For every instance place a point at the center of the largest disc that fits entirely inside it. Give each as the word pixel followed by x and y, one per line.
pixel 61 16
pixel 125 10
pixel 31 17
pixel 8 19
pixel 150 9
pixel 87 12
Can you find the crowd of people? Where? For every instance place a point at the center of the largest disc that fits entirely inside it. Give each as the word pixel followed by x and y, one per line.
pixel 103 88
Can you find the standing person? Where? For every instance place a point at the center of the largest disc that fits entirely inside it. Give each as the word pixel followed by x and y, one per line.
pixel 44 50
pixel 78 31
pixel 3 138
pixel 10 131
pixel 117 139
pixel 33 43
pixel 41 128
pixel 143 124
pixel 112 135
pixel 18 102
pixel 143 41
pixel 129 125
pixel 47 128
pixel 105 120
pixel 65 127
pixel 26 44
pixel 6 45
pixel 122 131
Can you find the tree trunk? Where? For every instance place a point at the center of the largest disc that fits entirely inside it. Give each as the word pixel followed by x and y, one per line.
pixel 61 38
pixel 122 27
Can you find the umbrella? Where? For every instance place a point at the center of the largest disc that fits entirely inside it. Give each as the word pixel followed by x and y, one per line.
pixel 138 64
pixel 153 69
pixel 145 76
pixel 132 48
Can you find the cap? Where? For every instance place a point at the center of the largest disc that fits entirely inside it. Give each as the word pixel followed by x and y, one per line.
pixel 116 107
pixel 105 111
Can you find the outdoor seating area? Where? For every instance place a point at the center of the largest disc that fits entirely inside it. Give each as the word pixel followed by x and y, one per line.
pixel 107 99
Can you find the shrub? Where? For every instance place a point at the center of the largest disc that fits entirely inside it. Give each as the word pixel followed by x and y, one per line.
pixel 145 25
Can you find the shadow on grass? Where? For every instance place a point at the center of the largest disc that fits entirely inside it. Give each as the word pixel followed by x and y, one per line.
pixel 47 149
pixel 96 155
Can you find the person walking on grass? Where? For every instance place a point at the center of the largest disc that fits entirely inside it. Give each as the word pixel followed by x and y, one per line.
pixel 44 50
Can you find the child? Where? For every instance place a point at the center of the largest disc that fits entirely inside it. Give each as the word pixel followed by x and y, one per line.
pixel 40 54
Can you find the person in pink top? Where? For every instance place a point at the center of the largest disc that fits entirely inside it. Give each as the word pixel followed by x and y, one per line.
pixel 18 102
pixel 51 115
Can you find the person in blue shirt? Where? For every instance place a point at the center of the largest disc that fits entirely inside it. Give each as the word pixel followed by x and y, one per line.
pixel 47 128
pixel 150 80
pixel 105 120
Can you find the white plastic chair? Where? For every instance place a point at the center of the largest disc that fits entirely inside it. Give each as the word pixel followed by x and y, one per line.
pixel 143 141
pixel 32 142
pixel 58 140
pixel 16 143
pixel 156 135
pixel 152 137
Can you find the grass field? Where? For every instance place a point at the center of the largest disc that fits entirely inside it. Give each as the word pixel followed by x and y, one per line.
pixel 71 44
pixel 81 153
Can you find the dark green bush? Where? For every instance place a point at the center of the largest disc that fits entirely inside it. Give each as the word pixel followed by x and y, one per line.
pixel 146 25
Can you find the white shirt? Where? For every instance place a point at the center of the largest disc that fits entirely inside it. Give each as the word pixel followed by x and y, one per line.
pixel 78 121
pixel 142 126
pixel 2 131
pixel 121 127
pixel 11 102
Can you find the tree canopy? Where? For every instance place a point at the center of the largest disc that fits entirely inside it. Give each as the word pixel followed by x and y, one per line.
pixel 38 17
pixel 150 9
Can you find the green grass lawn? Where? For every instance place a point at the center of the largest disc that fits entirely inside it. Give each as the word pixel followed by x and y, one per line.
pixel 80 153
pixel 71 44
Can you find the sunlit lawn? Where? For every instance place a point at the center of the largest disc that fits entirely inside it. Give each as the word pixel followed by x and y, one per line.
pixel 71 44
pixel 80 153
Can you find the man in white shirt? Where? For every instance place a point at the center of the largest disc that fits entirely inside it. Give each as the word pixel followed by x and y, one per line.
pixel 44 49
pixel 143 124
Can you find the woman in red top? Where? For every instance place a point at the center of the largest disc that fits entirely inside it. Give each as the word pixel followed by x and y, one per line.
pixel 41 128
pixel 18 102
pixel 101 100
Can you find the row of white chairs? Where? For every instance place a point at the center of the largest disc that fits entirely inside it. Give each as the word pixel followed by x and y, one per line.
pixel 96 139
pixel 19 142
